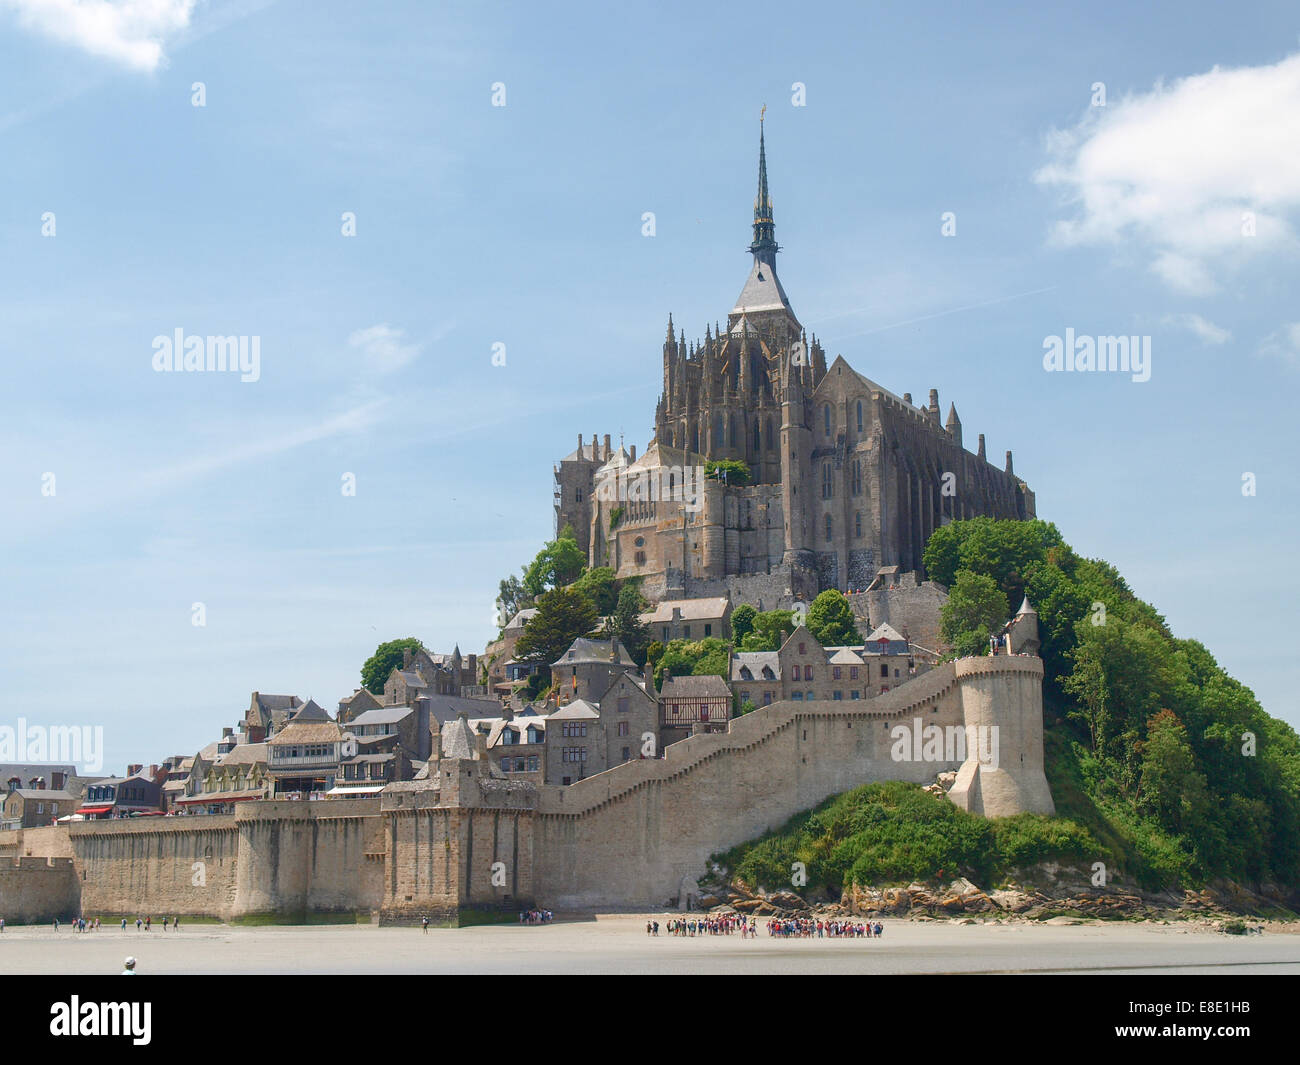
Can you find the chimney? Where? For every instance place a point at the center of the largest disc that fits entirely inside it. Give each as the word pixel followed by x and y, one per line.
pixel 613 648
pixel 132 770
pixel 58 780
pixel 225 733
pixel 1009 469
pixel 907 397
pixel 981 450
pixel 632 454
pixel 15 783
pixel 934 400
pixel 608 452
pixel 579 445
pixel 406 657
pixel 480 746
pixel 435 747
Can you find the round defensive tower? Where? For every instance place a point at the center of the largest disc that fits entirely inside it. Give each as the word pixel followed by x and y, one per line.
pixel 1002 707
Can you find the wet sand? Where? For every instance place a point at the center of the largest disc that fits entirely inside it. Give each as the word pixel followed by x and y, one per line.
pixel 618 944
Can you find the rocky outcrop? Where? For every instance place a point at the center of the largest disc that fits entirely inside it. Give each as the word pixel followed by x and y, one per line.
pixel 1048 893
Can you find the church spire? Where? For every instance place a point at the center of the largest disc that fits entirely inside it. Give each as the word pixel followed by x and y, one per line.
pixel 764 248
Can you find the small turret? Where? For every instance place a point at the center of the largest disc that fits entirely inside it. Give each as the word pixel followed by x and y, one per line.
pixel 1010 470
pixel 953 424
pixel 980 454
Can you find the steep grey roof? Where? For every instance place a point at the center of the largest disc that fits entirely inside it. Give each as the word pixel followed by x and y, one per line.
pixel 886 632
pixel 458 739
pixel 583 650
pixel 444 708
pixel 385 715
pixel 310 711
pixel 40 793
pixel 578 710
pixel 25 770
pixel 762 292
pixel 521 619
pixel 1025 608
pixel 244 754
pixel 694 688
pixel 755 660
pixel 692 609
pixel 845 656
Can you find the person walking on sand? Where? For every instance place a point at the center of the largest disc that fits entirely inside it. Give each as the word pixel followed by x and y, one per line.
pixel 138 923
pixel 148 924
pixel 424 923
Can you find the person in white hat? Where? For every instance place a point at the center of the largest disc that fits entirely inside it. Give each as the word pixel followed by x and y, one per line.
pixel 130 967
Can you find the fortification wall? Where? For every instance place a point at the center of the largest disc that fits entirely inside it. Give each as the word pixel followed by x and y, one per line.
pixel 296 857
pixel 36 890
pixel 48 841
pixel 631 836
pixel 469 846
pixel 157 866
pixel 638 835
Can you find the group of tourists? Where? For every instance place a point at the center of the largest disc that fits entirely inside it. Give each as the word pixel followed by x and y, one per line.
pixel 535 916
pixel 817 928
pixel 720 924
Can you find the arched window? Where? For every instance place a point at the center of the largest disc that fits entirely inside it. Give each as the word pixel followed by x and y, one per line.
pixel 857 477
pixel 758 440
pixel 857 524
pixel 826 417
pixel 828 486
pixel 828 526
pixel 859 415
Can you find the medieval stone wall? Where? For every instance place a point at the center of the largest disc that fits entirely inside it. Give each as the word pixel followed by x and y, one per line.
pixel 630 837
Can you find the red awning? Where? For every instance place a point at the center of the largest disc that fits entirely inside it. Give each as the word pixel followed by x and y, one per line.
pixel 95 809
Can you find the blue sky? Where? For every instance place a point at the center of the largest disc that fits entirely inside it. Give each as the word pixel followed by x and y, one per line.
pixel 521 225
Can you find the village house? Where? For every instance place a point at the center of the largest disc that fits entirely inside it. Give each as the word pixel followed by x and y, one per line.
pixel 690 619
pixel 589 667
pixel 31 807
pixel 306 754
pixel 692 704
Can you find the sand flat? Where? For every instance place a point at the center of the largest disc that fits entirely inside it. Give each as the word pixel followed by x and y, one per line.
pixel 618 944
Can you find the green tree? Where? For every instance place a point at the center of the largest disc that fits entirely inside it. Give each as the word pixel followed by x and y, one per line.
pixel 732 471
pixel 830 619
pixel 559 562
pixel 626 625
pixel 600 586
pixel 742 622
pixel 388 656
pixel 976 609
pixel 563 614
pixel 771 629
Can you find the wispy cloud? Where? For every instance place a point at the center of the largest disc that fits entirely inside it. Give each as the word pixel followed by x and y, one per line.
pixel 1198 172
pixel 1206 330
pixel 129 32
pixel 1283 344
pixel 385 348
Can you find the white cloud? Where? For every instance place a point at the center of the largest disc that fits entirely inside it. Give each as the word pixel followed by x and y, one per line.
pixel 1206 330
pixel 1283 344
pixel 130 32
pixel 384 346
pixel 1186 170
